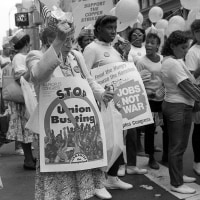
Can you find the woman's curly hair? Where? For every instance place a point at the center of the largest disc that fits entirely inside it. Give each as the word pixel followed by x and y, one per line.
pixel 175 38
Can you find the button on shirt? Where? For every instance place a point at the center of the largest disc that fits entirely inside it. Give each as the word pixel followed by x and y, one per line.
pixel 99 53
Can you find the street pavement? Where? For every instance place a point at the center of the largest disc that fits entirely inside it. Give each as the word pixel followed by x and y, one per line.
pixel 19 183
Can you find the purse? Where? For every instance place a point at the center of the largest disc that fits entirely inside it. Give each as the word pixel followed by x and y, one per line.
pixel 11 89
pixel 4 121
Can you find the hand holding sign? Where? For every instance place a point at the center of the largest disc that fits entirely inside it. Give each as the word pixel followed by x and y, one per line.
pixel 108 94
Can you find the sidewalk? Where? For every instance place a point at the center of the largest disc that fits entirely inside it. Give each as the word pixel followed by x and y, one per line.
pixel 19 183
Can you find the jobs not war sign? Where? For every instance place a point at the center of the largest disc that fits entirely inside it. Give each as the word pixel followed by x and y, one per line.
pixel 130 98
pixel 72 135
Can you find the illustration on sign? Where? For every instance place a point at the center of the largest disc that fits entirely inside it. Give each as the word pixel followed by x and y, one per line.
pixel 72 128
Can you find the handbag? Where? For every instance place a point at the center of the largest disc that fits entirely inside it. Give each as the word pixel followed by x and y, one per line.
pixel 11 89
pixel 4 121
pixel 112 121
pixel 29 96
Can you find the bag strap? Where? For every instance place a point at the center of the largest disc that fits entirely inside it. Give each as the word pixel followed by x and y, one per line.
pixel 2 105
pixel 79 64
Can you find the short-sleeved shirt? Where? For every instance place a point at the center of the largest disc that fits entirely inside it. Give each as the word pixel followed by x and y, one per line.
pixel 156 83
pixel 173 72
pixel 19 65
pixel 99 53
pixel 192 59
pixel 136 53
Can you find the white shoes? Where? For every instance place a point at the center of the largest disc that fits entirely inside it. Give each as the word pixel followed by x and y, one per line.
pixel 103 193
pixel 121 170
pixel 130 170
pixel 135 170
pixel 183 189
pixel 19 152
pixel 113 182
pixel 187 179
pixel 196 168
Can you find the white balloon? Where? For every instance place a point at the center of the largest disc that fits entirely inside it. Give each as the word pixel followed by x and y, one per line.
pixel 162 24
pixel 121 26
pixel 140 18
pixel 27 3
pixel 175 23
pixel 190 4
pixel 127 10
pixel 193 14
pixel 155 14
pixel 178 20
pixel 112 11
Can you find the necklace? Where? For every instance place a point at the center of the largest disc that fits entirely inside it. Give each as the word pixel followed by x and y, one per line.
pixel 66 67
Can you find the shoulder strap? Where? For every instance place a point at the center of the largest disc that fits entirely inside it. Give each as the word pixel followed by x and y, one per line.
pixel 79 64
pixel 2 105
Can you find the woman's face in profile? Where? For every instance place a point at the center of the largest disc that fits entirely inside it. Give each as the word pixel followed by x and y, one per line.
pixel 180 50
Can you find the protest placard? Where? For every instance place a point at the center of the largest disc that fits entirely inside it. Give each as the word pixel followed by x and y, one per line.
pixel 86 12
pixel 131 98
pixel 72 135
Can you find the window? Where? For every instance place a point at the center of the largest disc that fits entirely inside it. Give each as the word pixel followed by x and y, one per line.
pixel 144 4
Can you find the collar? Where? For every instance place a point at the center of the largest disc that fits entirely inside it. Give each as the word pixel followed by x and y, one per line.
pixel 102 43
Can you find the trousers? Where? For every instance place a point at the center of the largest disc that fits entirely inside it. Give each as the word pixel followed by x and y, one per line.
pixel 179 121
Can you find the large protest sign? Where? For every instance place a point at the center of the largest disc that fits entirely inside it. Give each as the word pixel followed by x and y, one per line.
pixel 72 135
pixel 130 99
pixel 86 12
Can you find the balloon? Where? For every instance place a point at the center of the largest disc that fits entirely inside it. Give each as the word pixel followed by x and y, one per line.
pixel 27 4
pixel 193 14
pixel 155 14
pixel 175 23
pixel 121 26
pixel 190 4
pixel 112 11
pixel 162 24
pixel 140 18
pixel 127 10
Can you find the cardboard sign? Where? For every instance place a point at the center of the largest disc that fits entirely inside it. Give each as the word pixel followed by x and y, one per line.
pixel 131 98
pixel 86 12
pixel 72 135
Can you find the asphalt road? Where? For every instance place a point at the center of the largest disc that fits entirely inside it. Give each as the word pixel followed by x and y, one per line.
pixel 19 184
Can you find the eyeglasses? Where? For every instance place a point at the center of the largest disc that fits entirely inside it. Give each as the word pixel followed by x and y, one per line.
pixel 135 35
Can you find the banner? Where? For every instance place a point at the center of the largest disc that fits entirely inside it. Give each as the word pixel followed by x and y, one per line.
pixel 131 98
pixel 86 12
pixel 72 135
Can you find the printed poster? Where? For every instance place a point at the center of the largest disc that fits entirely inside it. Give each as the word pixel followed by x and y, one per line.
pixel 131 98
pixel 86 12
pixel 72 135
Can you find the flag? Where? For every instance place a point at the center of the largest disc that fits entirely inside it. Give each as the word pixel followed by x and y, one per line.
pixel 42 9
